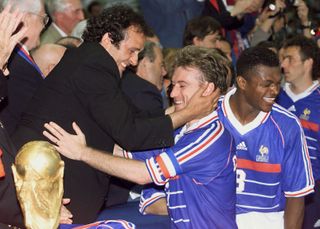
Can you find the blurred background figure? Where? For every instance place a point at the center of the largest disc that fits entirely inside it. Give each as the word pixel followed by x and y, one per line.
pixel 94 9
pixel 65 15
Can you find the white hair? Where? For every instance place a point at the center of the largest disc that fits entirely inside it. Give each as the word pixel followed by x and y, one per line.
pixel 29 6
pixel 57 6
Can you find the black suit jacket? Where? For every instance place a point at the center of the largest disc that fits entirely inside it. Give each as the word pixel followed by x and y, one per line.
pixel 22 82
pixel 147 101
pixel 10 212
pixel 85 87
pixel 144 95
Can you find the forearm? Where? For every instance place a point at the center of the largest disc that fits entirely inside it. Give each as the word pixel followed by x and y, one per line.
pixel 131 170
pixel 294 212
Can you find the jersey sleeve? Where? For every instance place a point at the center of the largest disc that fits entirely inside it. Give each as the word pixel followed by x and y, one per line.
pixel 141 155
pixel 297 179
pixel 149 195
pixel 203 155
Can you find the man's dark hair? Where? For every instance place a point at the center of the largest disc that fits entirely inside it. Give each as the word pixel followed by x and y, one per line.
pixel 268 44
pixel 308 49
pixel 254 57
pixel 115 21
pixel 199 27
pixel 207 61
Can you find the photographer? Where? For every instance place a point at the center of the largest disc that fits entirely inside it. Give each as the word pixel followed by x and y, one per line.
pixel 276 21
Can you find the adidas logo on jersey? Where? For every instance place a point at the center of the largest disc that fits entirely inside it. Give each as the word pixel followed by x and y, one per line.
pixel 292 108
pixel 242 146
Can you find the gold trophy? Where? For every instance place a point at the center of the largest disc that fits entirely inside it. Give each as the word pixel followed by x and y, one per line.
pixel 38 176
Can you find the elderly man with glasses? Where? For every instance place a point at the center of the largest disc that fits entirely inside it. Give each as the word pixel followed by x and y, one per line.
pixel 23 75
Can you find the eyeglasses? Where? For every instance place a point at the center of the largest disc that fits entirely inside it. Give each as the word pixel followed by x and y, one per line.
pixel 45 18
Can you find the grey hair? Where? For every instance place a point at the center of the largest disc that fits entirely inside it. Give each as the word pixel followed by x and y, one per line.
pixel 148 51
pixel 57 6
pixel 28 6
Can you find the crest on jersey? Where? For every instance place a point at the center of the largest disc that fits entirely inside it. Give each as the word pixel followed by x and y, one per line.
pixel 263 155
pixel 306 114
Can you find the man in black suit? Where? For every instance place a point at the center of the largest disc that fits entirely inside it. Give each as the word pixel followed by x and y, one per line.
pixel 142 85
pixel 85 87
pixel 24 75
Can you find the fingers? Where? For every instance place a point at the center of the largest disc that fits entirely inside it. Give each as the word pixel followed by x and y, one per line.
pixel 65 214
pixel 55 129
pixel 50 136
pixel 77 129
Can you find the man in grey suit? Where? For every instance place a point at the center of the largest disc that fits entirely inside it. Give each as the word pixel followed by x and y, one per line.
pixel 66 14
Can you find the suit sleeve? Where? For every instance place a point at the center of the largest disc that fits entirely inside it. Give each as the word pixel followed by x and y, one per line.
pixel 103 98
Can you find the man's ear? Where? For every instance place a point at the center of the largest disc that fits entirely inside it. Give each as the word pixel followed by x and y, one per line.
pixel 309 63
pixel 196 41
pixel 210 88
pixel 106 40
pixel 241 82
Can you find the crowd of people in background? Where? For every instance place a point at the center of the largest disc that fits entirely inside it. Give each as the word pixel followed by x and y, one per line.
pixel 141 80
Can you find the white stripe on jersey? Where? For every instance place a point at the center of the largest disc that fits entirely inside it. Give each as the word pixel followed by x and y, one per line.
pixel 313 158
pixel 311 139
pixel 299 193
pixel 191 145
pixel 181 220
pixel 178 206
pixel 155 175
pixel 262 183
pixel 253 207
pixel 168 164
pixel 255 194
pixel 174 193
pixel 217 130
pixel 311 147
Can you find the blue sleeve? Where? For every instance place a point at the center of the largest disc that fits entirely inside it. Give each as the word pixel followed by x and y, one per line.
pixel 297 173
pixel 202 154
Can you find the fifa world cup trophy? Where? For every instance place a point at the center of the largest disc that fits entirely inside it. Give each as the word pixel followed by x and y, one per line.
pixel 38 176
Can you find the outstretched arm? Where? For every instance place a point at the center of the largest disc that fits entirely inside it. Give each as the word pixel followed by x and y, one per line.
pixel 74 147
pixel 9 22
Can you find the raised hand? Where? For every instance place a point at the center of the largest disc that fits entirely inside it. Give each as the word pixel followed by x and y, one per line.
pixel 9 22
pixel 70 145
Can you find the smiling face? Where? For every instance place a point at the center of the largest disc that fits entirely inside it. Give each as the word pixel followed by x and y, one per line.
pixel 127 52
pixel 261 88
pixel 185 82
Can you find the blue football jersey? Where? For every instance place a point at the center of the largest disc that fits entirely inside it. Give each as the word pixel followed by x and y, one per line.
pixel 198 175
pixel 306 106
pixel 272 158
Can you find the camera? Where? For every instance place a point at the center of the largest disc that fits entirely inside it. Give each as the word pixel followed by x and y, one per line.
pixel 271 4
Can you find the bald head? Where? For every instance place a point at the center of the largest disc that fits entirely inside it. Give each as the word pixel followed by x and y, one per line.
pixel 48 56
